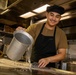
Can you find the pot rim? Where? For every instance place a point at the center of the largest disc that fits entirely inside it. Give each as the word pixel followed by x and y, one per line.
pixel 25 33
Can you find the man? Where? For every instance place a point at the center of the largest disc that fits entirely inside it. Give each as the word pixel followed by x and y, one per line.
pixel 50 41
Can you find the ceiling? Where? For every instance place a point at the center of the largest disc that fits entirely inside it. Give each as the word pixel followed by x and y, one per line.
pixel 18 7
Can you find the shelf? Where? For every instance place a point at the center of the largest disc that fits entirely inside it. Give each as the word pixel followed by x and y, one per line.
pixel 6 34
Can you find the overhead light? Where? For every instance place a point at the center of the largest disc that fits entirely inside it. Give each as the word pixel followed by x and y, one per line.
pixel 38 10
pixel 27 15
pixel 65 14
pixel 5 11
pixel 0 40
pixel 41 9
pixel 66 17
pixel 40 21
pixel 44 20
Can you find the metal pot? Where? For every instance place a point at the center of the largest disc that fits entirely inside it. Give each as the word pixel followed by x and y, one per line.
pixel 19 44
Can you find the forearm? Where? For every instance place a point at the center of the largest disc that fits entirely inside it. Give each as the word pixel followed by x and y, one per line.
pixel 56 58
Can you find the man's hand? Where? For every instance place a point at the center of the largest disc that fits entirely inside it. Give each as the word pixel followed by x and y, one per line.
pixel 52 59
pixel 20 28
pixel 43 62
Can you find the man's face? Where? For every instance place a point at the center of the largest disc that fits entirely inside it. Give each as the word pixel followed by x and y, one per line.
pixel 53 18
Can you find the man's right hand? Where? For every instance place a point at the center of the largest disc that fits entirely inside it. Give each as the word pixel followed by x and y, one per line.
pixel 20 28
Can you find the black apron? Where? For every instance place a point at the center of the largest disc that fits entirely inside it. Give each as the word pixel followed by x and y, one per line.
pixel 44 47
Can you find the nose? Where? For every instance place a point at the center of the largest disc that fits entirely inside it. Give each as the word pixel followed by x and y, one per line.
pixel 54 18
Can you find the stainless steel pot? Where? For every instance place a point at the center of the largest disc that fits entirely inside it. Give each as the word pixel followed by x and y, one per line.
pixel 19 44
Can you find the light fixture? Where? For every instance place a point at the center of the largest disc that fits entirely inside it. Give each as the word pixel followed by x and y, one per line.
pixel 5 11
pixel 44 20
pixel 27 15
pixel 38 10
pixel 41 9
pixel 65 14
pixel 66 17
pixel 40 21
pixel 0 40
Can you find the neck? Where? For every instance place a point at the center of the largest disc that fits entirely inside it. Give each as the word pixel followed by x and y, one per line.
pixel 49 26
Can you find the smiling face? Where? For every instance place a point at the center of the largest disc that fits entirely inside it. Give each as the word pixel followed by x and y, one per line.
pixel 53 18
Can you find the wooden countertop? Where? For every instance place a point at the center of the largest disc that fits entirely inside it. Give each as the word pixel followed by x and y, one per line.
pixel 8 69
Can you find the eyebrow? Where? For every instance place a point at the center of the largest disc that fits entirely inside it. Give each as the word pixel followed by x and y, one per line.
pixel 53 13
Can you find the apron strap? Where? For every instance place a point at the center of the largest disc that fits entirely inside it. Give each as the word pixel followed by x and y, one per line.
pixel 42 28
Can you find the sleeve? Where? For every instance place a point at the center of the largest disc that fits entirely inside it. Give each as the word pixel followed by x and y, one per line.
pixel 32 30
pixel 63 43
